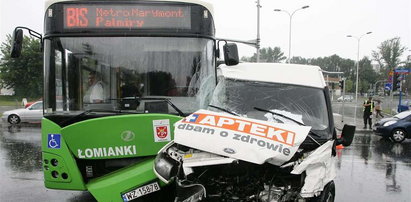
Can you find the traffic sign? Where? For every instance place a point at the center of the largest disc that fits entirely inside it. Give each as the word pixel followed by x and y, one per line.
pixel 402 71
pixel 387 86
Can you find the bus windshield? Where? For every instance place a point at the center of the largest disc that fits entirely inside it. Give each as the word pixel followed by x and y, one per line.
pixel 128 73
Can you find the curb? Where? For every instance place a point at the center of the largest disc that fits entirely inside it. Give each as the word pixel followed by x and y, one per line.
pixel 364 130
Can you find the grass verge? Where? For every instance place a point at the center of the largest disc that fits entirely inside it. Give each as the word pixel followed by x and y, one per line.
pixel 7 100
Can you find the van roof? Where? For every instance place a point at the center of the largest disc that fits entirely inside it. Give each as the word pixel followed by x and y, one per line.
pixel 303 75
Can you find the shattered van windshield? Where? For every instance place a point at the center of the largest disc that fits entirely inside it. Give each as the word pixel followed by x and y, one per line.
pixel 303 104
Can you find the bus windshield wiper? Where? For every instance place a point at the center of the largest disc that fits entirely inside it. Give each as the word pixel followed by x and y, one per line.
pixel 164 99
pixel 168 100
pixel 291 119
pixel 224 110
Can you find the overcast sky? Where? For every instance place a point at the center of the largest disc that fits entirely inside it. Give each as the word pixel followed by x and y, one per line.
pixel 317 31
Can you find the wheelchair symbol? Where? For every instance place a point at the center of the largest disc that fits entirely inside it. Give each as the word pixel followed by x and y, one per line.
pixel 54 141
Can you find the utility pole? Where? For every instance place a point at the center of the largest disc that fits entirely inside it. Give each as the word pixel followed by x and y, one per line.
pixel 392 89
pixel 258 30
pixel 343 94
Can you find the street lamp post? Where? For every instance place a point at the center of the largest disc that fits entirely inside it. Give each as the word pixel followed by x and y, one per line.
pixel 358 62
pixel 289 33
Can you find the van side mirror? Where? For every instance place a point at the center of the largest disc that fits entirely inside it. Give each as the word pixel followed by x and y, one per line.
pixel 219 62
pixel 17 43
pixel 347 135
pixel 231 54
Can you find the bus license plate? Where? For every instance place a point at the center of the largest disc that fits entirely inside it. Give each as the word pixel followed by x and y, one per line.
pixel 141 191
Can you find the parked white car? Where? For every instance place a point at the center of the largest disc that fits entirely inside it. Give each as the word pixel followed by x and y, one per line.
pixel 32 114
pixel 346 98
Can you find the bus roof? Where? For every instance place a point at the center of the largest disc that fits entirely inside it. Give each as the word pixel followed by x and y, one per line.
pixel 303 75
pixel 205 4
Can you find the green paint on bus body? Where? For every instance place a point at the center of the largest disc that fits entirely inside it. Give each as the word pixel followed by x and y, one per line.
pixel 110 187
pixel 112 137
pixel 53 174
pixel 118 136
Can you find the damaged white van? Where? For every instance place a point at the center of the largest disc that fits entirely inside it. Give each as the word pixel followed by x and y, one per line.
pixel 268 135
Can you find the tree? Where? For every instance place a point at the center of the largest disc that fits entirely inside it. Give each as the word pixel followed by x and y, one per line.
pixel 277 55
pixel 388 57
pixel 24 74
pixel 299 60
pixel 389 53
pixel 348 85
pixel 366 74
pixel 333 63
pixel 267 55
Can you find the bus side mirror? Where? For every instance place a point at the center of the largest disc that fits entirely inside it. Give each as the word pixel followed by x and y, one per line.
pixel 16 43
pixel 231 54
pixel 347 135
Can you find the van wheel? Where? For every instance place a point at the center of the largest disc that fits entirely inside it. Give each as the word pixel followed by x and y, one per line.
pixel 13 119
pixel 327 195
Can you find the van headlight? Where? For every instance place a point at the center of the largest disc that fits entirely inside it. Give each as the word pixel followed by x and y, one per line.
pixel 388 123
pixel 165 167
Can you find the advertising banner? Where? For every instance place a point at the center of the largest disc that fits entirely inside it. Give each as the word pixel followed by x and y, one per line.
pixel 242 138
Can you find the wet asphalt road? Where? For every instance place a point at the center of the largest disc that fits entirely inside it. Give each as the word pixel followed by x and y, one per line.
pixel 371 169
pixel 21 177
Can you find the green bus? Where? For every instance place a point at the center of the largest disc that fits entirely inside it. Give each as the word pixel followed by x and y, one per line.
pixel 117 76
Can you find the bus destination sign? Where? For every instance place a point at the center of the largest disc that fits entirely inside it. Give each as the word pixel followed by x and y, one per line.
pixel 126 17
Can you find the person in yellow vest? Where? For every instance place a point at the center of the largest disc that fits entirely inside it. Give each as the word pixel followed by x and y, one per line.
pixel 368 109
